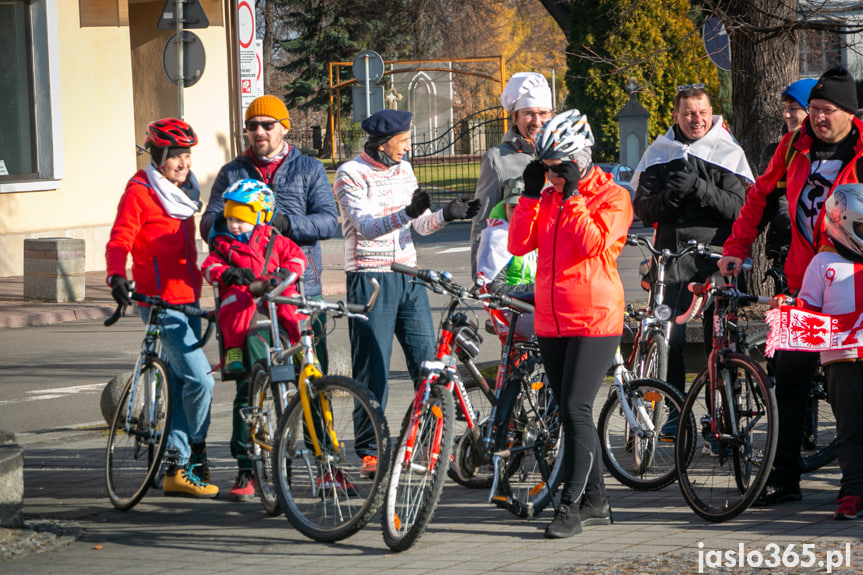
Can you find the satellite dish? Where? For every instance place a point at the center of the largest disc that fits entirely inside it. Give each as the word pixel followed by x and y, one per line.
pixel 716 43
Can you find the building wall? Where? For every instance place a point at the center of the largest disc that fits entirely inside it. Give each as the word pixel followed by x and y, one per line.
pixel 112 83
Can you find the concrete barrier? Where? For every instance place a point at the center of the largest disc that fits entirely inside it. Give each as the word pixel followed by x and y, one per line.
pixel 54 269
pixel 11 481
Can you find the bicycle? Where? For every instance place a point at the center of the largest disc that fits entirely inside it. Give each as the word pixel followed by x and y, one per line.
pixel 819 427
pixel 425 444
pixel 726 442
pixel 315 459
pixel 139 429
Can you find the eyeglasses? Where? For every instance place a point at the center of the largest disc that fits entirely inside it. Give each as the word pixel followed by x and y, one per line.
pixel 252 125
pixel 538 115
pixel 819 111
pixel 685 87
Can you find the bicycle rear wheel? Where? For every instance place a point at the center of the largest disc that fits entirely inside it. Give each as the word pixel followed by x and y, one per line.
pixel 419 469
pixel 819 428
pixel 535 440
pixel 645 462
pixel 325 496
pixel 466 467
pixel 721 476
pixel 265 413
pixel 138 434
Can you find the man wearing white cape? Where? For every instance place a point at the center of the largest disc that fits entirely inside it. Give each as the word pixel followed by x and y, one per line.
pixel 690 184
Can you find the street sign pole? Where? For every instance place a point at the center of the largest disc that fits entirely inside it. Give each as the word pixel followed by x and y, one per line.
pixel 366 84
pixel 181 81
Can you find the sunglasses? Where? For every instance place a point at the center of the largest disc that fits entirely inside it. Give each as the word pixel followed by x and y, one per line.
pixel 686 87
pixel 252 125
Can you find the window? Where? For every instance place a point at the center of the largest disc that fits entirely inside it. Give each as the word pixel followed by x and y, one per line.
pixel 819 50
pixel 30 144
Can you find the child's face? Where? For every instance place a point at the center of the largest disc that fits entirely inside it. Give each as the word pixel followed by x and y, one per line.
pixel 238 227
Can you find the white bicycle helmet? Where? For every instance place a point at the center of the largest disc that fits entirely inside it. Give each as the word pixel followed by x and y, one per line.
pixel 843 217
pixel 563 136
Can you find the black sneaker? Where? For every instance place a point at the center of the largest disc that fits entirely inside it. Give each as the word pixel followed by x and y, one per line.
pixel 566 522
pixel 776 494
pixel 595 512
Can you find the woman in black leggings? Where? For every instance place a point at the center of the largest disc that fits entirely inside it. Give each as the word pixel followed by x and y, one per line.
pixel 579 225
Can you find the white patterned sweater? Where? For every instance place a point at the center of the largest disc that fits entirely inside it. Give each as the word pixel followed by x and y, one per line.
pixel 372 199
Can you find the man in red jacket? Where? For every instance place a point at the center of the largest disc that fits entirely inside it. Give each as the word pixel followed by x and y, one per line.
pixel 825 152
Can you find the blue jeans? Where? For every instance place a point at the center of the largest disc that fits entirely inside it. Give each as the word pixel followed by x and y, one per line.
pixel 402 309
pixel 191 382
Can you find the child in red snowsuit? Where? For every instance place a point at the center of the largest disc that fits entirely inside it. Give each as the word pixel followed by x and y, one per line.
pixel 239 246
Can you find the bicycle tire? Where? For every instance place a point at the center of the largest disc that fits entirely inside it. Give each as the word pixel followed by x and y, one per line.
pixel 818 447
pixel 464 467
pixel 640 463
pixel 325 497
pixel 415 482
pixel 132 458
pixel 262 432
pixel 819 430
pixel 535 414
pixel 651 358
pixel 719 479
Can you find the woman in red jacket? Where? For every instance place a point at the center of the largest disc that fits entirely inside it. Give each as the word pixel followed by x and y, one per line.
pixel 155 224
pixel 579 225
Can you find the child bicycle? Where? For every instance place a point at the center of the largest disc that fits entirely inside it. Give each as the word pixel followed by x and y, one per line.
pixel 726 442
pixel 139 428
pixel 426 439
pixel 302 440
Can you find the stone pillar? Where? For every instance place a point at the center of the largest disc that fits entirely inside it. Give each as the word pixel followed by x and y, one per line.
pixel 54 269
pixel 632 129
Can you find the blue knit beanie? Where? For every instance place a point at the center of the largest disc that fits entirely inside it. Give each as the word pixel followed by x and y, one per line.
pixel 799 91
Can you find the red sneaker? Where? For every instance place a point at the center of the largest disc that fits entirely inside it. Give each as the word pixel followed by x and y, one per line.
pixel 369 468
pixel 850 507
pixel 244 487
pixel 336 480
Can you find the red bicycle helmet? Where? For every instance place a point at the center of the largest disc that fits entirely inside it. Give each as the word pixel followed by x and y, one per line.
pixel 171 133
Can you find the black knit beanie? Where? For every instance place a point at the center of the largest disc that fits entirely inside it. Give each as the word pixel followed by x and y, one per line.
pixel 836 85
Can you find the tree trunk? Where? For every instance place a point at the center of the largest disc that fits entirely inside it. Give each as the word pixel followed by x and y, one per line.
pixel 764 60
pixel 269 66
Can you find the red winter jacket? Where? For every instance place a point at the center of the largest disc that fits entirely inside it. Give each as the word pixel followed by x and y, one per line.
pixel 745 229
pixel 164 255
pixel 578 289
pixel 226 251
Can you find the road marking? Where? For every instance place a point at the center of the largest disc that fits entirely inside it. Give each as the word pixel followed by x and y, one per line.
pixel 56 393
pixel 454 250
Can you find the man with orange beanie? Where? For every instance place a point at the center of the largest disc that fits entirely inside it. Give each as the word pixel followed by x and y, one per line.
pixel 306 214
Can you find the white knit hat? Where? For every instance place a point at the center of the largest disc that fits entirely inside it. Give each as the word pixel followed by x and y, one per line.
pixel 526 90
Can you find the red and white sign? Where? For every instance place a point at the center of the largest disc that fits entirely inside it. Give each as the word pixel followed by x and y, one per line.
pixel 251 55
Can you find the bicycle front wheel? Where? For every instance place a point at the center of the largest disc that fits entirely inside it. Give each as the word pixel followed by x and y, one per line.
pixel 639 456
pixel 725 449
pixel 138 434
pixel 653 362
pixel 419 469
pixel 326 494
pixel 264 416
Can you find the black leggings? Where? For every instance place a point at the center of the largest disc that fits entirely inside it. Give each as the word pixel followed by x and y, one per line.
pixel 576 367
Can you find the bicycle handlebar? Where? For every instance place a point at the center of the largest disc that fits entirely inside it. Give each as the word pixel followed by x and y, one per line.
pixel 691 247
pixel 434 280
pixel 704 291
pixel 272 292
pixel 158 302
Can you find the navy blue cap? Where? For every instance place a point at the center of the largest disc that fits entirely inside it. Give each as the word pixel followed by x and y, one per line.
pixel 799 91
pixel 387 123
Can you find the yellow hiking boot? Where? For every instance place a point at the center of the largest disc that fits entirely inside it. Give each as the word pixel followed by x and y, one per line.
pixel 180 482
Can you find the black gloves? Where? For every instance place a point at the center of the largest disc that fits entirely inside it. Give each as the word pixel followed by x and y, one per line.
pixel 281 223
pixel 461 209
pixel 571 175
pixel 534 179
pixel 238 276
pixel 681 183
pixel 419 203
pixel 120 288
